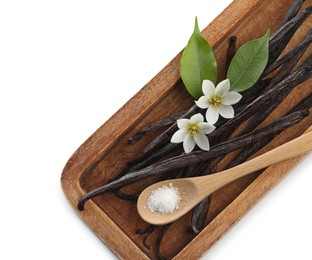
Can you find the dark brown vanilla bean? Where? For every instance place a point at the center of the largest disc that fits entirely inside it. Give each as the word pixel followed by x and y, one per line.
pixel 134 196
pixel 190 171
pixel 302 45
pixel 146 236
pixel 280 39
pixel 147 232
pixel 288 67
pixel 159 239
pixel 184 160
pixel 129 197
pixel 155 126
pixel 200 211
pixel 231 51
pixel 305 104
pixel 293 11
pixel 260 116
pixel 246 153
pixel 199 215
pixel 143 231
pixel 162 138
pixel 289 28
pixel 171 147
pixel 253 92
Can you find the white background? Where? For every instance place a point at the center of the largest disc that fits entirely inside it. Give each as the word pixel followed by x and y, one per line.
pixel 65 68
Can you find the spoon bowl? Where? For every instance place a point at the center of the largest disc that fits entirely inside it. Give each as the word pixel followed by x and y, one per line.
pixel 188 196
pixel 194 190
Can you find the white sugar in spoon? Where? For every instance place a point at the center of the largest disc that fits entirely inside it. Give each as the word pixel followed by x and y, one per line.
pixel 194 190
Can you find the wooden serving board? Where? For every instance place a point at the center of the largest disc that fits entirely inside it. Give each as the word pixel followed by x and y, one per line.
pixel 106 152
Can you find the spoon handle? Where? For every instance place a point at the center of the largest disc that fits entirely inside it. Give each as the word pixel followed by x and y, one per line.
pixel 296 147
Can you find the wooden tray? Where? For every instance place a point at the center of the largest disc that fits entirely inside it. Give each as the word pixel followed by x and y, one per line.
pixel 106 152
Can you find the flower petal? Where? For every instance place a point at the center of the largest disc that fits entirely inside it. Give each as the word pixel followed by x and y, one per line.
pixel 202 102
pixel 206 128
pixel 231 98
pixel 188 144
pixel 223 87
pixel 208 88
pixel 183 123
pixel 226 111
pixel 197 118
pixel 212 115
pixel 202 141
pixel 178 136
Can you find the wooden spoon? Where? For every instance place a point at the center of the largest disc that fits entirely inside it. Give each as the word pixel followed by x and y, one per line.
pixel 194 190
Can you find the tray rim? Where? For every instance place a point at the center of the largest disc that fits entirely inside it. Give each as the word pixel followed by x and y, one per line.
pixel 90 152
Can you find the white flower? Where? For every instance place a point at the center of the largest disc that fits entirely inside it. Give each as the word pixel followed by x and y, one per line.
pixel 193 131
pixel 218 100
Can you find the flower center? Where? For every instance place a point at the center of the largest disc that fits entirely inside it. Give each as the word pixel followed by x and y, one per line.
pixel 193 130
pixel 216 101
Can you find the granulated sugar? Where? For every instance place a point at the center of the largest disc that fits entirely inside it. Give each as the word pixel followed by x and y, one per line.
pixel 164 199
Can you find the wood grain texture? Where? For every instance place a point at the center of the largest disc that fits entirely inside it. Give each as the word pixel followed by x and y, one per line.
pixel 106 152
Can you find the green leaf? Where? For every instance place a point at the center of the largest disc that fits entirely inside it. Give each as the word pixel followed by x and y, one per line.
pixel 248 63
pixel 197 63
